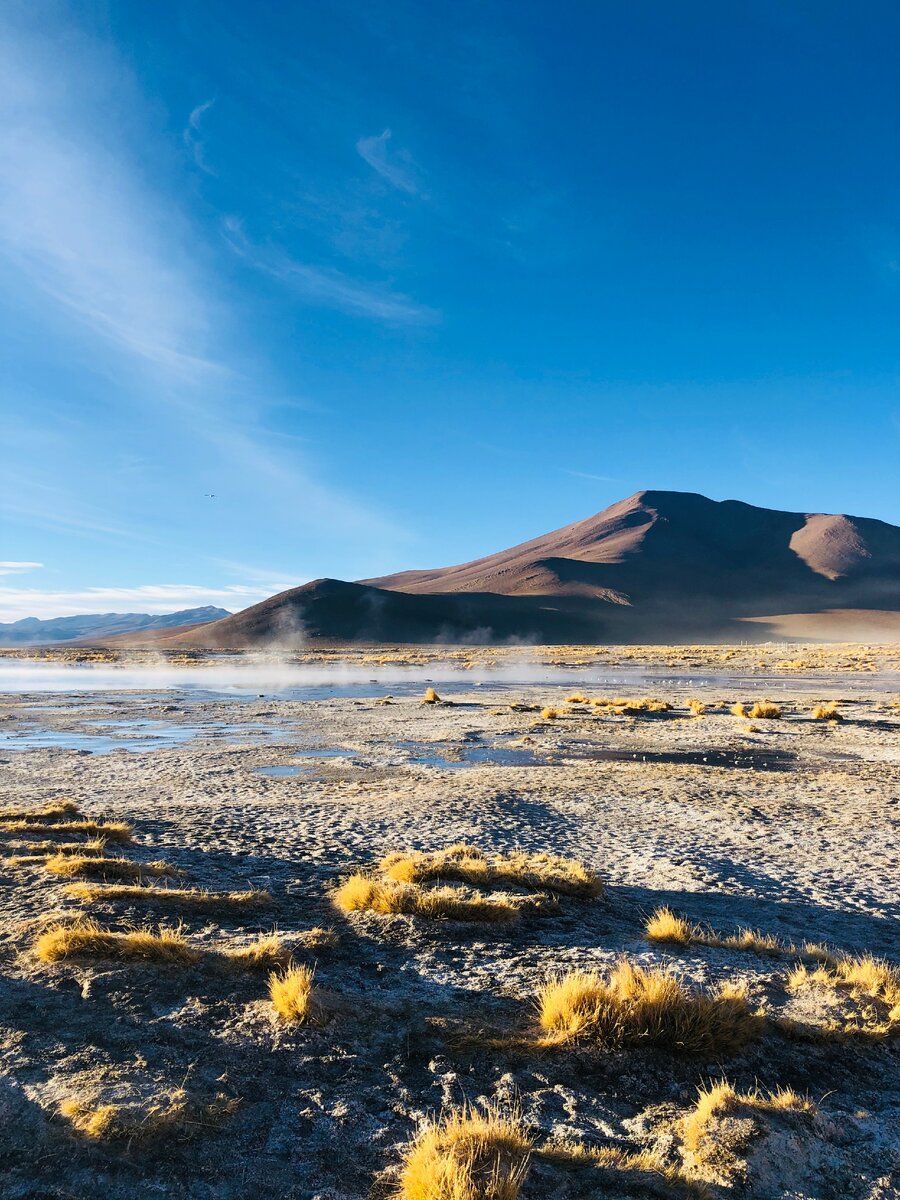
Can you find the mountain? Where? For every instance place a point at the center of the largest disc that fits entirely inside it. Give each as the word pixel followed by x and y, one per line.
pixel 656 567
pixel 100 628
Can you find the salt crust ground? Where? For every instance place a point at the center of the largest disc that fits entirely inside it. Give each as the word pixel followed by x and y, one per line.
pixel 808 853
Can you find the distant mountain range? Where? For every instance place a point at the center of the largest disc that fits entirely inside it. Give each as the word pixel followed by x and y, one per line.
pixel 99 628
pixel 656 567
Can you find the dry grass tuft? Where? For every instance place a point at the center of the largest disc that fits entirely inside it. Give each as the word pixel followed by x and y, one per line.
pixel 318 940
pixel 637 1007
pixel 268 953
pixel 107 868
pixel 714 1148
pixel 173 1115
pixel 89 940
pixel 871 982
pixel 765 710
pixel 697 707
pixel 468 1155
pixel 643 1169
pixel 738 710
pixel 294 997
pixel 364 893
pixel 431 697
pixel 468 864
pixel 577 698
pixel 827 712
pixel 665 926
pixel 550 714
pixel 111 831
pixel 184 897
pixel 51 812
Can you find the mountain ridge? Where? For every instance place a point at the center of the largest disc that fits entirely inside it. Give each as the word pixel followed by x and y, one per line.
pixel 57 631
pixel 657 566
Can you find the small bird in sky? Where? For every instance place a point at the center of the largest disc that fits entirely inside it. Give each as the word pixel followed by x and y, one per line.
pixel 210 495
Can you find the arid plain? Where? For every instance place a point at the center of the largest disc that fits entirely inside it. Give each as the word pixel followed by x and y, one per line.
pixel 494 943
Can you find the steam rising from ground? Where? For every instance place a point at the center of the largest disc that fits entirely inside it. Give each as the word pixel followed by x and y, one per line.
pixel 265 675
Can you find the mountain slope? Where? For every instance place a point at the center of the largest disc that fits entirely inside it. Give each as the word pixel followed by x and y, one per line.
pixel 658 566
pixel 100 627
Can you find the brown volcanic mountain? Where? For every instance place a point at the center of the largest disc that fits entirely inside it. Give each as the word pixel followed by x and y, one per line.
pixel 657 567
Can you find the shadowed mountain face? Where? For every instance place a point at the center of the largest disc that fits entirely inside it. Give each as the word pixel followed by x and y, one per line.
pixel 659 566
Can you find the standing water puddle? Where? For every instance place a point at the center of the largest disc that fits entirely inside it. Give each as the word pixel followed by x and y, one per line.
pixel 139 736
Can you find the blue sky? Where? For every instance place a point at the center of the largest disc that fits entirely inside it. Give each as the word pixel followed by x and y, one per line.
pixel 405 283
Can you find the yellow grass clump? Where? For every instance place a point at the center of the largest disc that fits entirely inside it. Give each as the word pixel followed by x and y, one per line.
pixel 697 707
pixel 470 865
pixel 363 892
pixel 766 710
pixel 294 997
pixel 739 710
pixel 111 831
pixel 827 712
pixel 866 979
pixel 637 1007
pixel 271 952
pixel 89 940
pixel 550 714
pixel 50 812
pixel 577 698
pixel 712 1148
pixel 468 1155
pixel 431 697
pixel 107 868
pixel 621 1169
pixel 172 1115
pixel 665 926
pixel 185 897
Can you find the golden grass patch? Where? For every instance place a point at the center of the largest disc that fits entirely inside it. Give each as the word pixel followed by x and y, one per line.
pixel 620 1169
pixel 550 714
pixel 295 998
pixel 172 1115
pixel 638 1007
pixel 87 939
pixel 722 1124
pixel 68 865
pixel 665 926
pixel 739 710
pixel 194 898
pixel 765 710
pixel 365 893
pixel 468 1155
pixel 111 831
pixel 871 983
pixel 696 707
pixel 50 812
pixel 468 864
pixel 827 712
pixel 431 697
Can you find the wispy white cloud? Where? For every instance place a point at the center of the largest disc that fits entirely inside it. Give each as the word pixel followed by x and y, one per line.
pixel 588 475
pixel 396 168
pixel 16 603
pixel 78 224
pixel 325 286
pixel 18 568
pixel 192 138
pixel 94 240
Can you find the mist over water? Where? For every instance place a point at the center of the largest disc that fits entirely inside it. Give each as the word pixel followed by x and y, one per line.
pixel 271 676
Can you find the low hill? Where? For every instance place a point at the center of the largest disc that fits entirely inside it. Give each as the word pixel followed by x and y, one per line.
pixel 656 567
pixel 101 628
